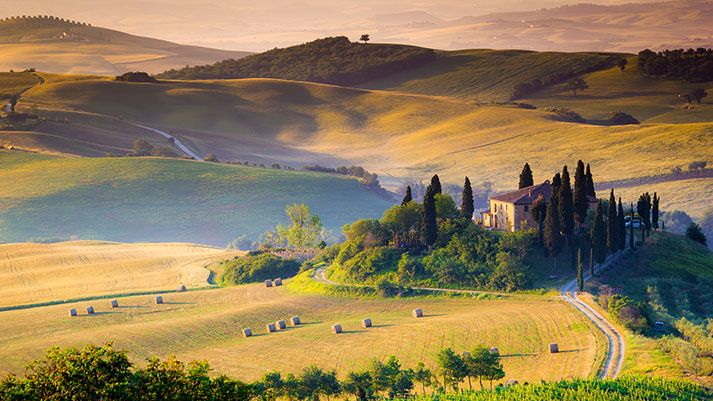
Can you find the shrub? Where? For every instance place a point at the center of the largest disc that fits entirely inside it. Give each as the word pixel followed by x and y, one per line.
pixel 621 118
pixel 254 268
pixel 697 165
pixel 694 233
pixel 566 114
pixel 212 158
pixel 371 261
pixel 629 313
pixel 137 76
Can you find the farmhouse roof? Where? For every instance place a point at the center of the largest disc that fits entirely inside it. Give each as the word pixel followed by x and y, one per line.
pixel 529 195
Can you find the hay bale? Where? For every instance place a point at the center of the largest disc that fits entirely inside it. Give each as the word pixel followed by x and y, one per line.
pixel 268 283
pixel 417 313
pixel 277 282
pixel 181 288
pixel 337 328
pixel 247 333
pixel 366 323
pixel 159 299
pixel 72 312
pixel 295 320
pixel 114 303
pixel 281 325
pixel 271 328
pixel 554 348
pixel 495 350
pixel 90 310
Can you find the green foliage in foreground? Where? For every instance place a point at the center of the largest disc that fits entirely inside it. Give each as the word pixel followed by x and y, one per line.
pixel 629 388
pixel 255 268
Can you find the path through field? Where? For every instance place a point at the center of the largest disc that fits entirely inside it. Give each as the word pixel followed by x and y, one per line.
pixel 177 142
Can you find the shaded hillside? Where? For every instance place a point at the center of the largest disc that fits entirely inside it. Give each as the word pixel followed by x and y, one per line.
pixel 334 61
pixel 164 200
pixel 56 45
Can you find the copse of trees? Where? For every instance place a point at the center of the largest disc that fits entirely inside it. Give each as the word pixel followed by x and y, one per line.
pixel 137 76
pixel 333 60
pixel 679 64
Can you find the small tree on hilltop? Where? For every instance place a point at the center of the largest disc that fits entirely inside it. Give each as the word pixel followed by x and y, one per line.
pixel 407 198
pixel 622 64
pixel 526 179
pixel 364 38
pixel 467 206
pixel 576 84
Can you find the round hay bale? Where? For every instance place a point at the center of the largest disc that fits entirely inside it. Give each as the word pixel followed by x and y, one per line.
pixel 268 283
pixel 247 333
pixel 271 328
pixel 181 288
pixel 417 313
pixel 72 312
pixel 90 310
pixel 277 282
pixel 114 303
pixel 159 299
pixel 554 348
pixel 366 323
pixel 495 350
pixel 281 325
pixel 337 328
pixel 295 320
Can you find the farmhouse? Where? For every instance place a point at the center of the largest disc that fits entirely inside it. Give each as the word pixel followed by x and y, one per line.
pixel 511 211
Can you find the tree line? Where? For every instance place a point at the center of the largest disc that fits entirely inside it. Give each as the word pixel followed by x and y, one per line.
pixel 688 65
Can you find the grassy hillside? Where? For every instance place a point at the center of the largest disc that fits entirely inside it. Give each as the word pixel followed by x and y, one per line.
pixel 161 200
pixel 206 325
pixel 66 47
pixel 39 273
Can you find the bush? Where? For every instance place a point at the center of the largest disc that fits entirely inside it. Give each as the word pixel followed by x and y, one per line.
pixel 621 118
pixel 254 268
pixel 566 114
pixel 137 76
pixel 372 261
pixel 629 313
pixel 212 158
pixel 694 233
pixel 698 165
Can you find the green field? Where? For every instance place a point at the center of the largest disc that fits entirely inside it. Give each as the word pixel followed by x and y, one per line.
pixel 160 200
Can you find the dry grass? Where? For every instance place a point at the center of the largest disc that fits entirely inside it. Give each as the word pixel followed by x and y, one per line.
pixel 38 273
pixel 693 196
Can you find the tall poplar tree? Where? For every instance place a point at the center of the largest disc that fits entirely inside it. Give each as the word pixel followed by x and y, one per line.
pixel 655 212
pixel 599 235
pixel 436 185
pixel 590 183
pixel 612 225
pixel 526 179
pixel 553 238
pixel 581 205
pixel 622 226
pixel 467 207
pixel 429 228
pixel 407 198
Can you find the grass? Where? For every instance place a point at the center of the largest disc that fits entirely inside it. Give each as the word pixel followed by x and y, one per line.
pixel 693 195
pixel 206 325
pixel 164 200
pixel 40 273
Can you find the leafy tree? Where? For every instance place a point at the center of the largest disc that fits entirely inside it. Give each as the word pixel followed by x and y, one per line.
pixel 445 207
pixel 576 84
pixel 622 64
pixel 436 185
pixel 304 230
pixel 407 198
pixel 599 235
pixel 404 218
pixel 694 232
pixel 655 212
pixel 467 207
pixel 452 368
pixel 553 238
pixel 612 225
pixel 429 227
pixel 622 226
pixel 581 203
pixel 526 179
pixel 484 364
pixel 359 384
pixel 364 38
pixel 423 375
pixel 590 183
pixel 142 147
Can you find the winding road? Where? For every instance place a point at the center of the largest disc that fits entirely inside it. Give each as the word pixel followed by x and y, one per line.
pixel 178 143
pixel 617 346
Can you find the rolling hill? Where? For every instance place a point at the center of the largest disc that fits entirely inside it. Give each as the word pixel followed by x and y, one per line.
pixel 60 46
pixel 164 200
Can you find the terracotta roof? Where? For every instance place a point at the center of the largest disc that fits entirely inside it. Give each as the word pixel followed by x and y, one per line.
pixel 527 195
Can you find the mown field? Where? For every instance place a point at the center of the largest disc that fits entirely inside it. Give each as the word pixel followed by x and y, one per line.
pixel 44 273
pixel 164 200
pixel 207 324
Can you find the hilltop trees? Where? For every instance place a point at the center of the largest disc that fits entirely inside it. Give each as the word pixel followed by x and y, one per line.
pixel 364 38
pixel 576 84
pixel 142 147
pixel 407 198
pixel 690 65
pixel 467 206
pixel 526 179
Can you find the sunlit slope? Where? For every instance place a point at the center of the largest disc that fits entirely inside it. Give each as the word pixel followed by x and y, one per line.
pixel 206 325
pixel 164 200
pixel 37 273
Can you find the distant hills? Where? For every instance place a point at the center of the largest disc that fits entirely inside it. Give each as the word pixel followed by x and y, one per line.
pixel 52 44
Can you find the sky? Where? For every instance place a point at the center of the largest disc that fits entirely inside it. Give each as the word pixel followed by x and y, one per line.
pixel 261 25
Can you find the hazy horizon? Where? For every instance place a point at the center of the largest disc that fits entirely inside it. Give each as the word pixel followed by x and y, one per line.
pixel 257 27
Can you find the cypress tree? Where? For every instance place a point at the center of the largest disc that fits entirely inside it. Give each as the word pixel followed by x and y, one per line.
pixel 407 198
pixel 580 273
pixel 429 228
pixel 538 213
pixel 643 207
pixel 599 235
pixel 622 226
pixel 556 183
pixel 553 239
pixel 612 225
pixel 590 183
pixel 581 205
pixel 591 261
pixel 436 185
pixel 466 207
pixel 566 207
pixel 631 229
pixel 526 177
pixel 655 212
